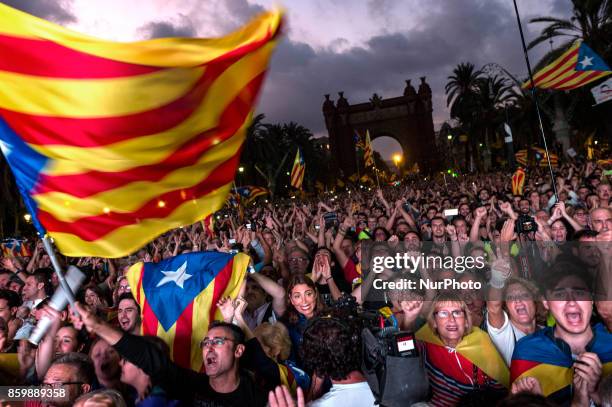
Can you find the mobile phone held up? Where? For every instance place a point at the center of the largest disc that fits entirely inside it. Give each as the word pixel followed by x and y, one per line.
pixel 451 212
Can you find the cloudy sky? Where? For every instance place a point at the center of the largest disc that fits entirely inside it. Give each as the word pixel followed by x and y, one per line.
pixel 356 46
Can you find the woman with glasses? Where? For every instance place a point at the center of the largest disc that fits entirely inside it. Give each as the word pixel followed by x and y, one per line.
pixel 461 361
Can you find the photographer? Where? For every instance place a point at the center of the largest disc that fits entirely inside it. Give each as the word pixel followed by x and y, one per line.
pixel 332 348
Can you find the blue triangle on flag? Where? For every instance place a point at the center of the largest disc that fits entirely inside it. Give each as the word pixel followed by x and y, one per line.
pixel 588 60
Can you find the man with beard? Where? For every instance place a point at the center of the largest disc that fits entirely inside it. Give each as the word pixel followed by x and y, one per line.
pixel 569 355
pixel 438 236
pixel 223 383
pixel 128 314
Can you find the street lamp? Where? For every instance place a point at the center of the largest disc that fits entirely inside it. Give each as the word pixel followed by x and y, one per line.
pixel 240 169
pixel 397 159
pixel 449 137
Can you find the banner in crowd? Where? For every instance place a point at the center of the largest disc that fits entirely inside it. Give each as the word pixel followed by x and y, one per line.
pixel 518 181
pixel 298 170
pixel 576 67
pixel 178 298
pixel 246 194
pixel 15 248
pixel 539 155
pixel 602 92
pixel 113 143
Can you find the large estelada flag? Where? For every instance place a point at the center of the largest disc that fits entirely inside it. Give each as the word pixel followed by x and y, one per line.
pixel 368 153
pixel 114 143
pixel 178 298
pixel 298 170
pixel 576 67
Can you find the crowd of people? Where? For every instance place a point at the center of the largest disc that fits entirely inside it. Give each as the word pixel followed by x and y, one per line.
pixel 538 332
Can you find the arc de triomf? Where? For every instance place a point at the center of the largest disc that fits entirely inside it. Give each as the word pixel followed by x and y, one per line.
pixel 407 119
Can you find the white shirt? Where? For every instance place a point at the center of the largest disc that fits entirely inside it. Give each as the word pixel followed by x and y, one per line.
pixel 354 395
pixel 505 338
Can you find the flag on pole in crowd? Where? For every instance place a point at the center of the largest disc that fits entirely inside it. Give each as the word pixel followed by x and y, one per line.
pixel 368 154
pixel 208 225
pixel 576 67
pixel 518 181
pixel 113 143
pixel 178 298
pixel 248 193
pixel 358 141
pixel 298 170
pixel 540 155
pixel 590 147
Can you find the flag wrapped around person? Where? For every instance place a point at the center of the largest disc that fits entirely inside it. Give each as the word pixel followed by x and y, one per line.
pixel 178 298
pixel 576 67
pixel 474 349
pixel 368 154
pixel 518 181
pixel 298 170
pixel 113 143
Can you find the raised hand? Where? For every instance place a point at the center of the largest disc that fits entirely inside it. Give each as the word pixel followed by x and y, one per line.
pixel 481 212
pixel 227 308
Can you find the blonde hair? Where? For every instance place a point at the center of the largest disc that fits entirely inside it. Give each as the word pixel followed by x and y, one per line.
pixel 275 337
pixel 447 297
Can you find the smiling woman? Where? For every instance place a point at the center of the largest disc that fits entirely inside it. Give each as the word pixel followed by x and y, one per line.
pixel 461 362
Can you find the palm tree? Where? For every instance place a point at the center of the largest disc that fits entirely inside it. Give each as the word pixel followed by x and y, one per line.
pixel 461 90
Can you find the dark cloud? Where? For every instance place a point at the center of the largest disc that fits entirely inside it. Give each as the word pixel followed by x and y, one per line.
pixel 164 29
pixel 468 31
pixel 58 11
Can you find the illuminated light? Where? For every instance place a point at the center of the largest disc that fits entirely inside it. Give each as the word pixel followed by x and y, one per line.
pixel 293 197
pixel 349 192
pixel 328 146
pixel 266 201
pixel 288 173
pixel 161 204
pixel 27 217
pixel 397 158
pixel 240 169
pixel 480 145
pixel 106 210
pixel 448 171
pixel 449 137
pixel 596 141
pixel 218 216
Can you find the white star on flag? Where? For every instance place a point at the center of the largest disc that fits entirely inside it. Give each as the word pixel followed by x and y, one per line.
pixel 586 61
pixel 178 277
pixel 5 148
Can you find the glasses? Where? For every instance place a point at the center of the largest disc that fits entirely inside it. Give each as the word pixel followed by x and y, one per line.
pixel 457 313
pixel 569 294
pixel 298 260
pixel 216 341
pixel 57 385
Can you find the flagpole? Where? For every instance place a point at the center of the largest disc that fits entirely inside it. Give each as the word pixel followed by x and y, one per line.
pixel 535 99
pixel 377 181
pixel 58 271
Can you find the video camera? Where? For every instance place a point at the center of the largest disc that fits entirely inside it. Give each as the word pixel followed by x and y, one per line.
pixel 525 224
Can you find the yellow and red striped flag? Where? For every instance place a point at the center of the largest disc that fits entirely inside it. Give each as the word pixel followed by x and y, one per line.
pixel 298 170
pixel 368 154
pixel 178 298
pixel 113 143
pixel 518 181
pixel 576 67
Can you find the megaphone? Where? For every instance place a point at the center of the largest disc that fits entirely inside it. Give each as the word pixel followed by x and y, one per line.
pixel 74 278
